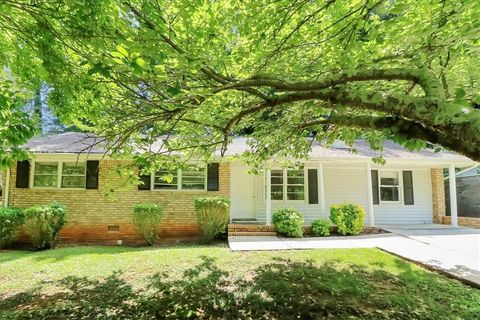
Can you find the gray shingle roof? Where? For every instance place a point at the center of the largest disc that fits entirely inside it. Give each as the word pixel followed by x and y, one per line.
pixel 77 142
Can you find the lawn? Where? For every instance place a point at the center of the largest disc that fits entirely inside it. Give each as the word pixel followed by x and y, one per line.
pixel 184 282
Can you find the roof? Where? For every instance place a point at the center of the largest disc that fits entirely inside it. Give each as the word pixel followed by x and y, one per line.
pixel 68 142
pixel 78 142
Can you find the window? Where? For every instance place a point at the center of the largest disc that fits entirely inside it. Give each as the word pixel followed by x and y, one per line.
pixel 277 184
pixel 73 175
pixel 193 179
pixel 59 175
pixel 389 186
pixel 287 185
pixel 46 174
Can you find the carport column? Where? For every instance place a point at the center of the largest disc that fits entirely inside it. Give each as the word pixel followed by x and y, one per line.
pixel 268 197
pixel 321 189
pixel 370 213
pixel 452 182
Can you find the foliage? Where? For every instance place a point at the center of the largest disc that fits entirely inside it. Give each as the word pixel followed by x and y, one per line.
pixel 321 227
pixel 278 71
pixel 43 224
pixel 348 218
pixel 147 218
pixel 10 220
pixel 212 214
pixel 211 282
pixel 288 222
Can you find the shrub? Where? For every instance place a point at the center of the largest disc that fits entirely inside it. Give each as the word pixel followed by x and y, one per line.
pixel 321 227
pixel 43 224
pixel 10 219
pixel 212 216
pixel 348 218
pixel 147 218
pixel 288 222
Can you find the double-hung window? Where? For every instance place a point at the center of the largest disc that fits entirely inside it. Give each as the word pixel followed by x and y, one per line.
pixel 389 186
pixel 191 179
pixel 59 175
pixel 287 185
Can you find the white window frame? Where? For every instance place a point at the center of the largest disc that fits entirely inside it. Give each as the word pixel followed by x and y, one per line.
pixel 285 184
pixel 400 186
pixel 59 175
pixel 179 182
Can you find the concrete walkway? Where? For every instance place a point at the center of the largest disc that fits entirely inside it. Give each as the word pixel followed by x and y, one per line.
pixel 453 251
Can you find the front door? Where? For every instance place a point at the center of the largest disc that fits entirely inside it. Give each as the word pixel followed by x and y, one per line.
pixel 242 193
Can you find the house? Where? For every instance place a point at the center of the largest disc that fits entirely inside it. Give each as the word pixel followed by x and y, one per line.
pixel 72 169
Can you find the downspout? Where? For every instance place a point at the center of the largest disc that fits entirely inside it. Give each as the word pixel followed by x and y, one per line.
pixel 7 188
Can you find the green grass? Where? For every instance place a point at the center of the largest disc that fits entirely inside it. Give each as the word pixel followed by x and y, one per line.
pixel 211 282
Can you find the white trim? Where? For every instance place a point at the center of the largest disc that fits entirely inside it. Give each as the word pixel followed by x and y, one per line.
pixel 7 188
pixel 400 187
pixel 268 200
pixel 179 182
pixel 370 208
pixel 59 175
pixel 453 195
pixel 285 185
pixel 321 189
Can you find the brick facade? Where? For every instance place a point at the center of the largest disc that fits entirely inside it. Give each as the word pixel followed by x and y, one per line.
pixel 91 213
pixel 438 195
pixel 463 221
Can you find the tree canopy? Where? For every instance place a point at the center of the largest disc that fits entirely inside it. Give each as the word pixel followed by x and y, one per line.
pixel 283 72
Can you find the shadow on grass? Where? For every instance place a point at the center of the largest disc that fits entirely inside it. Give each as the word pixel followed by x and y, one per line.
pixel 282 289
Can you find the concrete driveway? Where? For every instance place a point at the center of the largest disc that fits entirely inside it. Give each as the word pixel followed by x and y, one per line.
pixel 453 251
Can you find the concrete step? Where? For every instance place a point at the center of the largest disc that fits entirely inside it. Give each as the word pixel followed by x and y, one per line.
pixel 252 233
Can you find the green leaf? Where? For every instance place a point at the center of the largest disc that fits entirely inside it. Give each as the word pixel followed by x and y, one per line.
pixel 122 50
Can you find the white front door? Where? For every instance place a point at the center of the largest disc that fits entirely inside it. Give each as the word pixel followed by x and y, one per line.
pixel 242 192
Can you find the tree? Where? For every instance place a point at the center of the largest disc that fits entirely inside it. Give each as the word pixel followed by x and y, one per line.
pixel 198 72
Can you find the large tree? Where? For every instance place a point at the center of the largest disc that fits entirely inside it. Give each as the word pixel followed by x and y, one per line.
pixel 283 72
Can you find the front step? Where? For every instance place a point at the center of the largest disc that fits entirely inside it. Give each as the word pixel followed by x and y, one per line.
pixel 250 230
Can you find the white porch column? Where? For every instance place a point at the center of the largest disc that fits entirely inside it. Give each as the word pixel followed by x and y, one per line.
pixel 370 212
pixel 6 195
pixel 452 179
pixel 321 190
pixel 268 197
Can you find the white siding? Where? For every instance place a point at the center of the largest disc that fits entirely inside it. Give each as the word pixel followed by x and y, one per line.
pixel 420 212
pixel 348 184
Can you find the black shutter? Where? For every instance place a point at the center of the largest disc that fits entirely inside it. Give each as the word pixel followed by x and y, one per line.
pixel 23 174
pixel 146 179
pixel 375 189
pixel 212 177
pixel 92 174
pixel 408 188
pixel 312 186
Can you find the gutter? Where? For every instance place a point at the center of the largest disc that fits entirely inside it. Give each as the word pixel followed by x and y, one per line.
pixel 7 188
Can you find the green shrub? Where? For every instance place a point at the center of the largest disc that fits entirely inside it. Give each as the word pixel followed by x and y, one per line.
pixel 348 218
pixel 43 224
pixel 212 216
pixel 288 222
pixel 147 217
pixel 10 220
pixel 321 227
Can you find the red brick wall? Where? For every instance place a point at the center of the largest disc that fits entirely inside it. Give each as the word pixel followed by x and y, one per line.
pixel 438 194
pixel 90 212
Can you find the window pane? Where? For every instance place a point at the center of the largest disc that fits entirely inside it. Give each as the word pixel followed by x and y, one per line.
pixel 45 168
pixel 193 179
pixel 295 193
pixel 165 180
pixel 276 177
pixel 277 192
pixel 73 168
pixel 295 177
pixel 389 193
pixel 45 181
pixel 73 182
pixel 389 178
